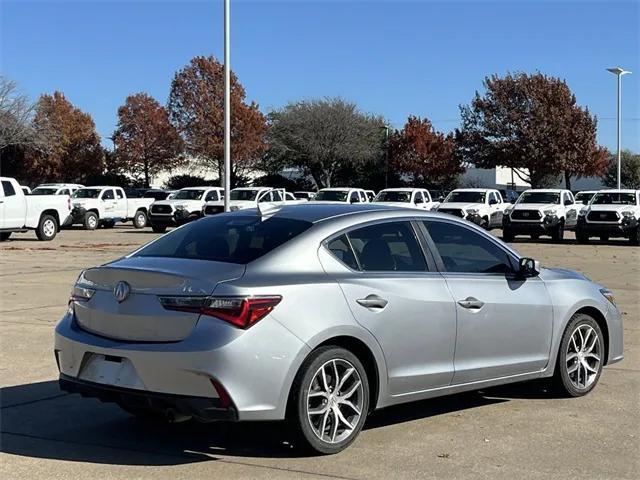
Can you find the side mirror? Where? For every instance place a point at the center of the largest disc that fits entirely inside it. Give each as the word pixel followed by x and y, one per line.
pixel 528 267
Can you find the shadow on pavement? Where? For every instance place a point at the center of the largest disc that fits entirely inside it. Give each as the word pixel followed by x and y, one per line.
pixel 38 420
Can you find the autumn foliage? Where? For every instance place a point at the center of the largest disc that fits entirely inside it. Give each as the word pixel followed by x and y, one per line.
pixel 145 141
pixel 74 153
pixel 530 122
pixel 424 155
pixel 196 108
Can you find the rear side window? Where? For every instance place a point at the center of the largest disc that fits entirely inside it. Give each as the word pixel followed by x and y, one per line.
pixel 9 191
pixel 340 248
pixel 212 196
pixel 225 238
pixel 465 251
pixel 120 193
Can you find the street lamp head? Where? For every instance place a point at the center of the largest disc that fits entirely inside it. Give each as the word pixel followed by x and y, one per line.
pixel 618 71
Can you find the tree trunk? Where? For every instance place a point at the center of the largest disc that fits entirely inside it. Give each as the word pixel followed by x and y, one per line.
pixel 567 180
pixel 146 174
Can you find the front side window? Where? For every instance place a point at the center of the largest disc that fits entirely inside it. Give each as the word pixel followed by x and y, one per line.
pixel 387 247
pixel 108 195
pixel 465 197
pixel 119 193
pixel 551 198
pixel 567 199
pixel 212 196
pixel 331 196
pixel 354 197
pixel 614 198
pixel 464 251
pixel 9 191
pixel 243 195
pixel 189 195
pixel 87 193
pixel 231 239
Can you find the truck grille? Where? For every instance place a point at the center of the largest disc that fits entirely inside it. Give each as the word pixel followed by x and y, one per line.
pixel 533 215
pixel 603 217
pixel 161 209
pixel 452 211
pixel 213 209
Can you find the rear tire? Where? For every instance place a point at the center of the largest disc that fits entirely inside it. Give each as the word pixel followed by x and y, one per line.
pixel 159 228
pixel 47 228
pixel 580 358
pixel 140 219
pixel 4 236
pixel 90 221
pixel 109 223
pixel 604 238
pixel 330 400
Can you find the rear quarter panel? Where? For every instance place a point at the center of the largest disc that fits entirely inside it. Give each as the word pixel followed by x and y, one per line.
pixel 36 204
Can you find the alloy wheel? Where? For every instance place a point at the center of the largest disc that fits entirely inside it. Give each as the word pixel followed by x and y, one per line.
pixel 584 353
pixel 49 228
pixel 335 401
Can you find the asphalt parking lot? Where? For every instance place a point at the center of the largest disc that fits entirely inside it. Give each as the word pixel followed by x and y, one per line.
pixel 518 431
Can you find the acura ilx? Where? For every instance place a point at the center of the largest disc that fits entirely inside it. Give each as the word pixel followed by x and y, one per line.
pixel 319 314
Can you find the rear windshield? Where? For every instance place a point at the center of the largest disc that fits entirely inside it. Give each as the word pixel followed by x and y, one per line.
pixel 393 196
pixel 44 191
pixel 226 238
pixel 332 195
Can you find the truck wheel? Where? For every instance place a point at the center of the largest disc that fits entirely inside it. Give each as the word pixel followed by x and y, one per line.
pixel 109 223
pixel 507 235
pixel 90 221
pixel 535 236
pixel 558 233
pixel 635 236
pixel 4 236
pixel 140 219
pixel 604 238
pixel 47 228
pixel 159 228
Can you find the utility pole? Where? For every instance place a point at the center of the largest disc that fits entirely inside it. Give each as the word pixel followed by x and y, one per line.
pixel 619 72
pixel 227 105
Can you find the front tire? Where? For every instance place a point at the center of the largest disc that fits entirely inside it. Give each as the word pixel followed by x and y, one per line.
pixel 47 228
pixel 580 358
pixel 330 399
pixel 90 221
pixel 4 236
pixel 140 219
pixel 158 228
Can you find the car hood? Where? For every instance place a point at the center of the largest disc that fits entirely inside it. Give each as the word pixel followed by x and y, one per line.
pixel 463 206
pixel 561 274
pixel 611 208
pixel 176 201
pixel 534 206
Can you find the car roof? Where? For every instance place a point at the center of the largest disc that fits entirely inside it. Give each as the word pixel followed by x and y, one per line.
pixel 549 190
pixel 401 189
pixel 338 189
pixel 203 187
pixel 474 190
pixel 615 190
pixel 253 188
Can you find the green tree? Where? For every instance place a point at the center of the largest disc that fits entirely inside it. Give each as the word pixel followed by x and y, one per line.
pixel 629 170
pixel 531 123
pixel 324 138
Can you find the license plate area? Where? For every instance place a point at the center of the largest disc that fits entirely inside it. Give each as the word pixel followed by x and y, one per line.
pixel 110 370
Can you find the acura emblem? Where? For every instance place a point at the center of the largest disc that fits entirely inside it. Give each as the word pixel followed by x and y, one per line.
pixel 121 291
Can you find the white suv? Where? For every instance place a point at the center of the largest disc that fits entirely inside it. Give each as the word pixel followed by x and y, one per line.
pixel 541 212
pixel 482 206
pixel 611 213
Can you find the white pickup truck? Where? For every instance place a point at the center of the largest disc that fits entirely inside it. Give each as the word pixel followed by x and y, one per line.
pixel 105 205
pixel 482 206
pixel 541 212
pixel 611 213
pixel 242 198
pixel 406 197
pixel 19 212
pixel 341 195
pixel 56 189
pixel 186 205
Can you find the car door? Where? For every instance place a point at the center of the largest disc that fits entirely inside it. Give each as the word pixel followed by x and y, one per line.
pixel 571 210
pixel 495 209
pixel 504 322
pixel 13 207
pixel 404 303
pixel 108 199
pixel 122 205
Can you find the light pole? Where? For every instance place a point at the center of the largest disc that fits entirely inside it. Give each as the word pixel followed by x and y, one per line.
pixel 386 155
pixel 227 105
pixel 619 72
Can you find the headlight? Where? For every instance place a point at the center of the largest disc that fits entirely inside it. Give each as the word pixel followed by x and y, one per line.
pixel 472 211
pixel 180 207
pixel 608 294
pixel 582 212
pixel 507 210
pixel 551 212
pixel 628 214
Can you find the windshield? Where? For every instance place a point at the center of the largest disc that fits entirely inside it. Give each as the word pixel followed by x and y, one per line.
pixel 226 238
pixel 393 196
pixel 331 195
pixel 189 195
pixel 540 197
pixel 465 197
pixel 584 197
pixel 87 193
pixel 610 198
pixel 243 195
pixel 44 191
pixel 301 195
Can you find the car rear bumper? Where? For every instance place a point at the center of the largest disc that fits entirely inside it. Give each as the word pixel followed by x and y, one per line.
pixel 255 367
pixel 203 408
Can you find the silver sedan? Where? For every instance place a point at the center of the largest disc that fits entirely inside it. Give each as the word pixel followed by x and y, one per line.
pixel 320 314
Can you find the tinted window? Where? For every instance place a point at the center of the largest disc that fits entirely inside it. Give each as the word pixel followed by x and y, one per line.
pixel 613 198
pixel 341 249
pixel 87 193
pixel 331 195
pixel 119 193
pixel 463 250
pixel 8 189
pixel 465 197
pixel 44 191
pixel 243 194
pixel 189 195
pixel 394 196
pixel 567 199
pixel 64 191
pixel 354 197
pixel 228 238
pixel 387 247
pixel 212 196
pixel 108 195
pixel 540 197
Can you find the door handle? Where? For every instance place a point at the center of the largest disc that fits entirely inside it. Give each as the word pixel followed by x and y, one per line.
pixel 471 303
pixel 372 301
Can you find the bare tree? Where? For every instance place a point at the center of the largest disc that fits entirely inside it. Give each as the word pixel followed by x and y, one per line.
pixel 16 115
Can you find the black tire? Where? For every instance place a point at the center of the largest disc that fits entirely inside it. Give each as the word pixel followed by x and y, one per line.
pixel 507 234
pixel 140 219
pixel 634 238
pixel 299 401
pixel 4 236
pixel 158 228
pixel 557 234
pixel 564 381
pixel 535 236
pixel 47 228
pixel 90 221
pixel 604 238
pixel 581 236
pixel 109 223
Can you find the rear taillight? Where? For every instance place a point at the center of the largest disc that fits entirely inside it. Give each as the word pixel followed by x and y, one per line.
pixel 243 312
pixel 81 294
